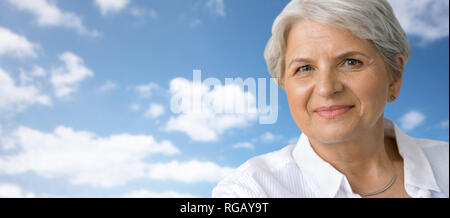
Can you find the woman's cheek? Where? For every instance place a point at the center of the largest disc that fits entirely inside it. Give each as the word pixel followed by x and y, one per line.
pixel 298 103
pixel 371 92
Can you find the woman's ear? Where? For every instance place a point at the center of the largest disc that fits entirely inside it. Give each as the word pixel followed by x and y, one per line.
pixel 395 90
pixel 396 82
pixel 400 61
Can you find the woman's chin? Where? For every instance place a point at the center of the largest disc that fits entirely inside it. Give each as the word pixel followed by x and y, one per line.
pixel 333 133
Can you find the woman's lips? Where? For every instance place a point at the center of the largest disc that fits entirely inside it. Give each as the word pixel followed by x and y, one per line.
pixel 333 111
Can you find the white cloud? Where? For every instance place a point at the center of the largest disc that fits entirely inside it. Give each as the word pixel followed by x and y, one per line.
pixel 411 120
pixel 142 193
pixel 293 140
pixel 48 14
pixel 268 137
pixel 427 19
pixel 216 7
pixel 14 191
pixel 81 156
pixel 30 77
pixel 15 98
pixel 111 6
pixel 188 172
pixel 444 124
pixel 221 109
pixel 246 145
pixel 195 23
pixel 135 107
pixel 65 79
pixel 99 162
pixel 16 45
pixel 38 71
pixel 108 86
pixel 145 91
pixel 154 111
pixel 142 12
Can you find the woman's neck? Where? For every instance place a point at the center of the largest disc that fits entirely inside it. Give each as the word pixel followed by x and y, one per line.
pixel 363 159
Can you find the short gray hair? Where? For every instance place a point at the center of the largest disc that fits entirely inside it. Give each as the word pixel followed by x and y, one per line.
pixel 372 20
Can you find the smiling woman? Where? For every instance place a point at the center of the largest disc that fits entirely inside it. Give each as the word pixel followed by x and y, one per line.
pixel 340 62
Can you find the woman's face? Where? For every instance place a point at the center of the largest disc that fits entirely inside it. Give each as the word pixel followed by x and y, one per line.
pixel 327 66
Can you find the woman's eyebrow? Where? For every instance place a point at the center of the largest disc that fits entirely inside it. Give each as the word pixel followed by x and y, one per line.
pixel 351 53
pixel 299 60
pixel 341 56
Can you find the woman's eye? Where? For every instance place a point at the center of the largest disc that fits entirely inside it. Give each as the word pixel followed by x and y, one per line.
pixel 304 68
pixel 352 62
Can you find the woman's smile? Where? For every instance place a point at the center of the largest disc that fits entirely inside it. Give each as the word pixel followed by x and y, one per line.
pixel 333 112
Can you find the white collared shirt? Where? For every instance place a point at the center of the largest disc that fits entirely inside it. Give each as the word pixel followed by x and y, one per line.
pixel 296 171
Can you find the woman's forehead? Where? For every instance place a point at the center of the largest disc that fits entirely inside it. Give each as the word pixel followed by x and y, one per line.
pixel 310 38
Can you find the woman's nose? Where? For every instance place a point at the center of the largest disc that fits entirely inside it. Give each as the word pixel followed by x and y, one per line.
pixel 328 84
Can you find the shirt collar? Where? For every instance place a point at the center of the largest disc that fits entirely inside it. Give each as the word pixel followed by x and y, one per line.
pixel 417 169
pixel 326 178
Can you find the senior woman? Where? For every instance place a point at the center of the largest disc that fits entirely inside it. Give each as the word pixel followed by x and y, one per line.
pixel 340 62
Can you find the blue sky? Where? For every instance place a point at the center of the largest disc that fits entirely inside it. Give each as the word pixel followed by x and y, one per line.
pixel 85 90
